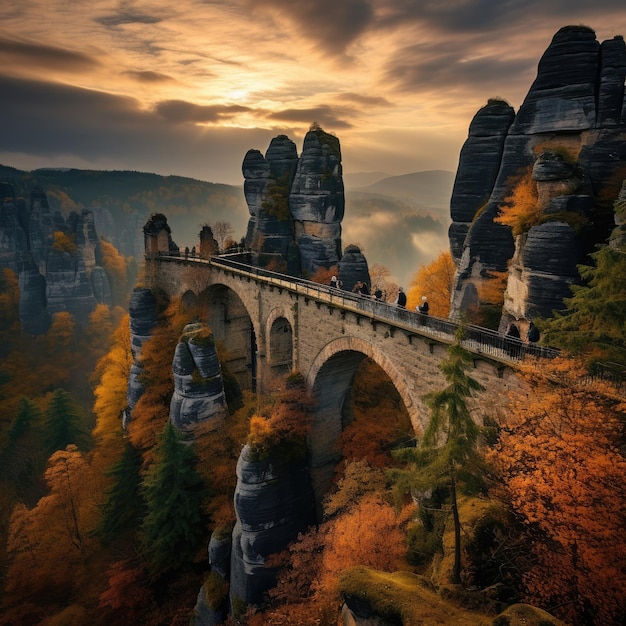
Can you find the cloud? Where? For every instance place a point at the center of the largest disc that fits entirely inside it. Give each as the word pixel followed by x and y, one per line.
pixel 331 24
pixel 326 116
pixel 179 111
pixel 147 76
pixel 39 56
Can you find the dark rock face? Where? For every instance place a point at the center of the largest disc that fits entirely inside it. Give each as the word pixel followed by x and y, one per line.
pixel 53 278
pixel 296 204
pixel 353 267
pixel 198 388
pixel 274 502
pixel 158 236
pixel 67 285
pixel 569 135
pixel 267 183
pixel 142 310
pixel 479 163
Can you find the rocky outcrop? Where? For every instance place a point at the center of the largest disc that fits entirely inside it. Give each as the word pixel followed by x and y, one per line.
pixel 569 136
pixel 353 268
pixel 198 396
pixel 479 163
pixel 296 204
pixel 273 502
pixel 317 201
pixel 158 236
pixel 57 260
pixel 142 310
pixel 267 184
pixel 67 285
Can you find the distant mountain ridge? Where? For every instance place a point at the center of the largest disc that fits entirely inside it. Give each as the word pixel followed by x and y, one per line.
pixel 428 189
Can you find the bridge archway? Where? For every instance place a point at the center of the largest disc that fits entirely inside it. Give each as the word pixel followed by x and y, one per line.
pixel 233 330
pixel 330 377
pixel 280 342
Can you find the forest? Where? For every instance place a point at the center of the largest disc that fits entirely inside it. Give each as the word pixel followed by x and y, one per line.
pixel 458 524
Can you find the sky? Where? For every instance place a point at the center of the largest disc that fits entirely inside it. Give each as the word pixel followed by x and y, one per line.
pixel 187 87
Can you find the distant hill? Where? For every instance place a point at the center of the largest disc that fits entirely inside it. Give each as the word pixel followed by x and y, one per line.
pixel 187 203
pixel 399 221
pixel 429 189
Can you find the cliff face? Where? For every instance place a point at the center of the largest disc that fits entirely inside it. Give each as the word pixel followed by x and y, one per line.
pixel 296 204
pixel 569 137
pixel 54 275
pixel 274 502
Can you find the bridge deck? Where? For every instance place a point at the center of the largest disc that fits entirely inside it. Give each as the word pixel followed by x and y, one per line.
pixel 476 339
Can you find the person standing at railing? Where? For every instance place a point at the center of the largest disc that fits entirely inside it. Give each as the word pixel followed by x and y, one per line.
pixel 401 299
pixel 334 283
pixel 378 294
pixel 423 308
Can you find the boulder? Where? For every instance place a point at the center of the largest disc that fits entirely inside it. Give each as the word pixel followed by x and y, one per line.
pixel 353 268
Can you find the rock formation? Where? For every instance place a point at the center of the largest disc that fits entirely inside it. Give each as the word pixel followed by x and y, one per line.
pixel 353 268
pixel 56 259
pixel 198 389
pixel 142 310
pixel 568 135
pixel 274 502
pixel 296 204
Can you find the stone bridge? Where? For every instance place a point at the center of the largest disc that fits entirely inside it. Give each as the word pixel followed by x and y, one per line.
pixel 270 324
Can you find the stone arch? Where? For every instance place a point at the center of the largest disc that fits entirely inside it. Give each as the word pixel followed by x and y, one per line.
pixel 330 377
pixel 279 331
pixel 233 329
pixel 189 300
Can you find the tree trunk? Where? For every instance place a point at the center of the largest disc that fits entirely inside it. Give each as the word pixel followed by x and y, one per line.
pixel 456 570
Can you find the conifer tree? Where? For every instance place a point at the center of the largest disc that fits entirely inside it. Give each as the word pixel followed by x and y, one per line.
pixel 64 423
pixel 124 503
pixel 447 456
pixel 173 489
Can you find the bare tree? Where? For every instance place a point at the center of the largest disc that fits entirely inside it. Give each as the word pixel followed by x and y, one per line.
pixel 221 232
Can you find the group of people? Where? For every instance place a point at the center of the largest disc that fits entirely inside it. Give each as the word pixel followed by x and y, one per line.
pixel 360 287
pixel 532 334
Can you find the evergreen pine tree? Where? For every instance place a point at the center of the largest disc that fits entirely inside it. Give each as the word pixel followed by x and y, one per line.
pixel 124 504
pixel 64 423
pixel 173 489
pixel 447 458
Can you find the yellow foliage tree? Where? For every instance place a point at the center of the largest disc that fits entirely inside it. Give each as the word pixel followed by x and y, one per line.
pixel 63 243
pixel 435 281
pixel 521 210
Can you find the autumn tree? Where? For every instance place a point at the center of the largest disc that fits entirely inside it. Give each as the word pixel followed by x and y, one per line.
pixel 521 208
pixel 447 456
pixel 173 528
pixel 50 544
pixel 435 281
pixel 563 471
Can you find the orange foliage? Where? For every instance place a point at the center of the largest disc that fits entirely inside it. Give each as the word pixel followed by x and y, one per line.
pixel 115 266
pixel 323 275
pixel 563 472
pixel 127 598
pixel 50 544
pixel 152 410
pixel 521 210
pixel 435 281
pixel 63 243
pixel 379 417
pixel 492 291
pixel 112 373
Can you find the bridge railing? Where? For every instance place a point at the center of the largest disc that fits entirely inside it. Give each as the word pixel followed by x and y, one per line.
pixel 475 338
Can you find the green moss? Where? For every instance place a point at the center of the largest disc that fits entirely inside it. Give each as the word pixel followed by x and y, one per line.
pixel 215 590
pixel 405 598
